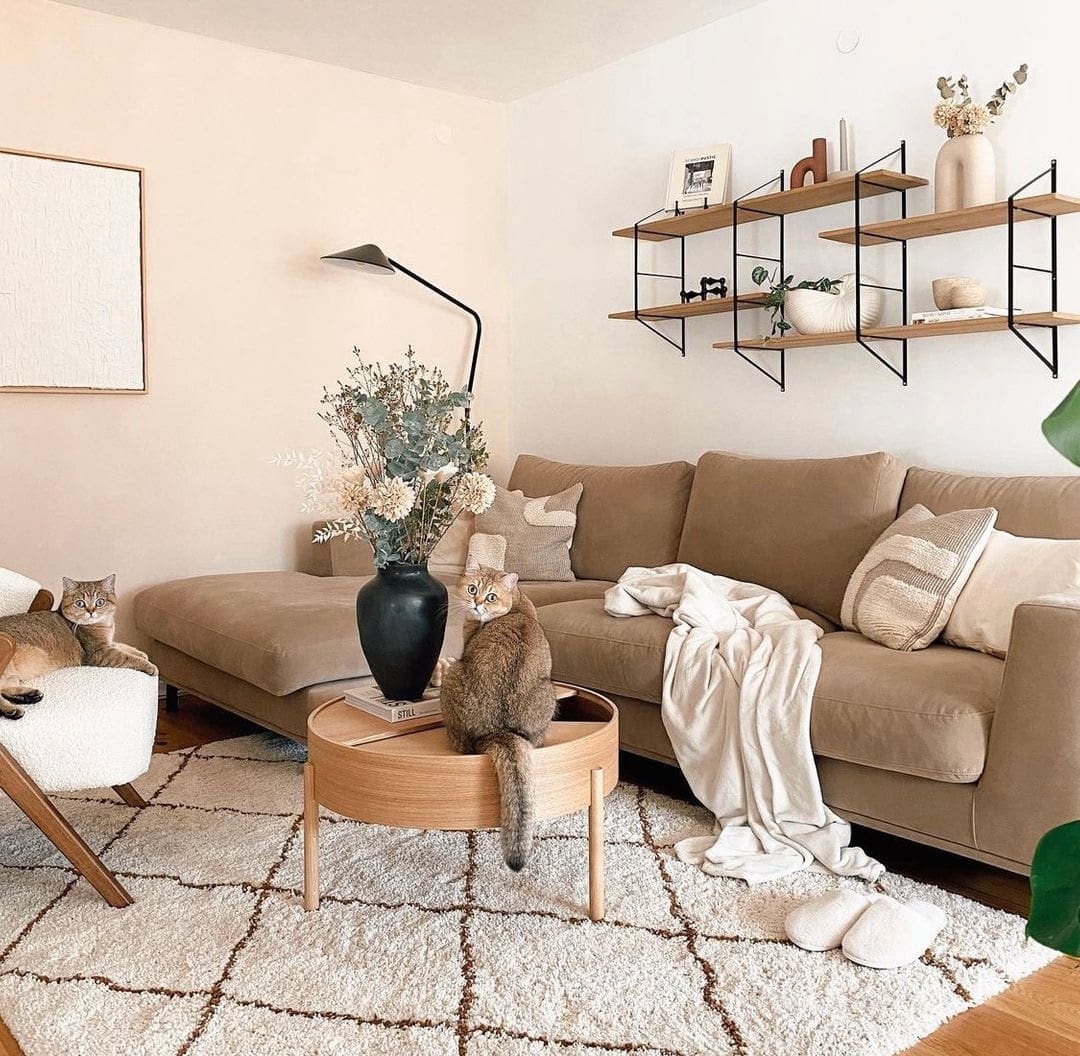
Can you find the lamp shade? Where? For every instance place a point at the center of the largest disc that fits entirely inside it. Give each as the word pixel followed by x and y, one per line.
pixel 368 257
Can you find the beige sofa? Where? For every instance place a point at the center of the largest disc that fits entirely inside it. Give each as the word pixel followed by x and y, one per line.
pixel 945 746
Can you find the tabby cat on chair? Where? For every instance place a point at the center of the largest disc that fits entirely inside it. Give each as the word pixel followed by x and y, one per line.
pixel 79 633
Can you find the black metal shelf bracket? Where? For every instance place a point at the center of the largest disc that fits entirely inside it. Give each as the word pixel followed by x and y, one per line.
pixel 639 229
pixel 1050 361
pixel 737 206
pixel 902 289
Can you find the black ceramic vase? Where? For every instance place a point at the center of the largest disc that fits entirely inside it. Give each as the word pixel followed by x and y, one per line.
pixel 401 616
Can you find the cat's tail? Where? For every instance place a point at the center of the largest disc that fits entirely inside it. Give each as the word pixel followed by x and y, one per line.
pixel 512 756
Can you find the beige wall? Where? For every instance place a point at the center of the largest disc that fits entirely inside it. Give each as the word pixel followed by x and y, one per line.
pixel 255 165
pixel 593 154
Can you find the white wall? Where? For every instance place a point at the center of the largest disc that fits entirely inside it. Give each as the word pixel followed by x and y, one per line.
pixel 255 165
pixel 592 154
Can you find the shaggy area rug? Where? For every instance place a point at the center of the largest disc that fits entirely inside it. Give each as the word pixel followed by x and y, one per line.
pixel 425 944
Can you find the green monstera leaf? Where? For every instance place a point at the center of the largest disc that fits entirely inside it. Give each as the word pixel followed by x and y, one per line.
pixel 1054 919
pixel 1062 426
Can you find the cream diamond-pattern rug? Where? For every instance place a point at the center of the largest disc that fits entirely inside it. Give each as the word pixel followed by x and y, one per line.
pixel 426 944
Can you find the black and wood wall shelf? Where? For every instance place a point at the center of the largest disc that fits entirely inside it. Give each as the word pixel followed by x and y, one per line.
pixel 887 344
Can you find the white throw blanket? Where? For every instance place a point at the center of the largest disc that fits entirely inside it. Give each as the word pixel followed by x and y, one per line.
pixel 739 675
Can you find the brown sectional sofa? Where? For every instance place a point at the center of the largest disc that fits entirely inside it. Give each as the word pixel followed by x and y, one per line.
pixel 944 746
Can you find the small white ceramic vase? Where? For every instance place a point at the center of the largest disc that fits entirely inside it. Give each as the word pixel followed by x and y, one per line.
pixel 965 173
pixel 816 312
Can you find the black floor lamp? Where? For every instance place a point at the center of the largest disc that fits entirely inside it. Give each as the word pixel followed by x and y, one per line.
pixel 371 258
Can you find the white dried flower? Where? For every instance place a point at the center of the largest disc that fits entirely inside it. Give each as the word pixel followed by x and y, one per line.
pixel 475 492
pixel 392 499
pixel 439 476
pixel 354 492
pixel 945 116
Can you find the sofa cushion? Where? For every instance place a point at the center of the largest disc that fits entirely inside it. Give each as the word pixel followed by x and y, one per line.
pixel 529 535
pixel 904 590
pixel 624 656
pixel 592 649
pixel 799 526
pixel 1042 507
pixel 628 515
pixel 925 713
pixel 280 631
pixel 551 593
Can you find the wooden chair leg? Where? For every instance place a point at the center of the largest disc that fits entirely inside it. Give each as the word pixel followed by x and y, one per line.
pixel 8 1045
pixel 130 795
pixel 26 795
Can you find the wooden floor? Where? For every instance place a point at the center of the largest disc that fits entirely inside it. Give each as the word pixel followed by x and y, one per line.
pixel 1039 1016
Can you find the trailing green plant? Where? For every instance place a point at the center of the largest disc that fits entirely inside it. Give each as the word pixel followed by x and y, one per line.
pixel 1054 917
pixel 774 302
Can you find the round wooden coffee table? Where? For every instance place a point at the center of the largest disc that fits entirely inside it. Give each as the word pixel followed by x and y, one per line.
pixel 408 776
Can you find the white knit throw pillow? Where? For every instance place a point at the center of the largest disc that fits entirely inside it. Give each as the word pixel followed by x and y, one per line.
pixel 903 592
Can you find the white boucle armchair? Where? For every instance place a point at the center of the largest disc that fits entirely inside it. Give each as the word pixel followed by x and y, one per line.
pixel 94 728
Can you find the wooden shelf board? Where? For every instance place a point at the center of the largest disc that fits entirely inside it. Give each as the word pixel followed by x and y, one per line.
pixel 713 306
pixel 813 196
pixel 912 331
pixel 979 216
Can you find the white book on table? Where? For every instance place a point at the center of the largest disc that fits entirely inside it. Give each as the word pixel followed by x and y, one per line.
pixel 370 699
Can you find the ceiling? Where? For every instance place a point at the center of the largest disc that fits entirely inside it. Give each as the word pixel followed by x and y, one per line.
pixel 494 49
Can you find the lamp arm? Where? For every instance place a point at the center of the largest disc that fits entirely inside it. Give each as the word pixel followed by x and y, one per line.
pixel 453 300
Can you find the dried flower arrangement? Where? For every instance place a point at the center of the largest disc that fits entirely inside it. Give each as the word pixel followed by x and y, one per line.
pixel 960 116
pixel 406 465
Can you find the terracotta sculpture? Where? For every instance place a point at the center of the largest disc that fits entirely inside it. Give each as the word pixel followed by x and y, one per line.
pixel 815 165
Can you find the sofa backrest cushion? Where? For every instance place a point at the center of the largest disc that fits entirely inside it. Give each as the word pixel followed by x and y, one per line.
pixel 1037 507
pixel 628 515
pixel 799 526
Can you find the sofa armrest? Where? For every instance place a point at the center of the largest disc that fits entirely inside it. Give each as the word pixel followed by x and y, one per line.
pixel 1032 777
pixel 341 557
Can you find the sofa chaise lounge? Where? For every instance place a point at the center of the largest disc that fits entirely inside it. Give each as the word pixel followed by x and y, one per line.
pixel 945 746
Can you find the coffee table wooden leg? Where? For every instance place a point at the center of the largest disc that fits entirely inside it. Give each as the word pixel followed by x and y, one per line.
pixel 311 840
pixel 596 845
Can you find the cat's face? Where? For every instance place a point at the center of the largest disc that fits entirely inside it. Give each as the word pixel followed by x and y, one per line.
pixel 92 601
pixel 486 593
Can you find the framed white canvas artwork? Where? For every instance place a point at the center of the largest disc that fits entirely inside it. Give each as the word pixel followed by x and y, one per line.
pixel 72 308
pixel 699 177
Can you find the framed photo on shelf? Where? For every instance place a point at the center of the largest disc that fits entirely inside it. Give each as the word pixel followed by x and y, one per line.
pixel 698 176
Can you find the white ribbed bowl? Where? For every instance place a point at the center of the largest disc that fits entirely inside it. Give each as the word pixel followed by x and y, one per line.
pixel 815 312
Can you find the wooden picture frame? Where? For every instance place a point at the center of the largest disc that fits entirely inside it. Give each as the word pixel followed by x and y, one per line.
pixel 129 356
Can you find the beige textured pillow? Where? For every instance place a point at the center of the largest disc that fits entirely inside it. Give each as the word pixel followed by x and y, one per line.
pixel 904 590
pixel 531 537
pixel 1011 570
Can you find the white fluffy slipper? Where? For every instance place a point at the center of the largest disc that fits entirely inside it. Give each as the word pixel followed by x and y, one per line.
pixel 891 934
pixel 822 923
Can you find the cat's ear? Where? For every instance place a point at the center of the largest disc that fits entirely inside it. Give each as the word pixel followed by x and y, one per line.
pixel 471 564
pixel 69 584
pixel 510 580
pixel 109 583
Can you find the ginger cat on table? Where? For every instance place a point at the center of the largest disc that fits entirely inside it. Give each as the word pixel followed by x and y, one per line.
pixel 498 698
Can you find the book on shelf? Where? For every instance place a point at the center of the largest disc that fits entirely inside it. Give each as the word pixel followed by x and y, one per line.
pixel 370 699
pixel 950 315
